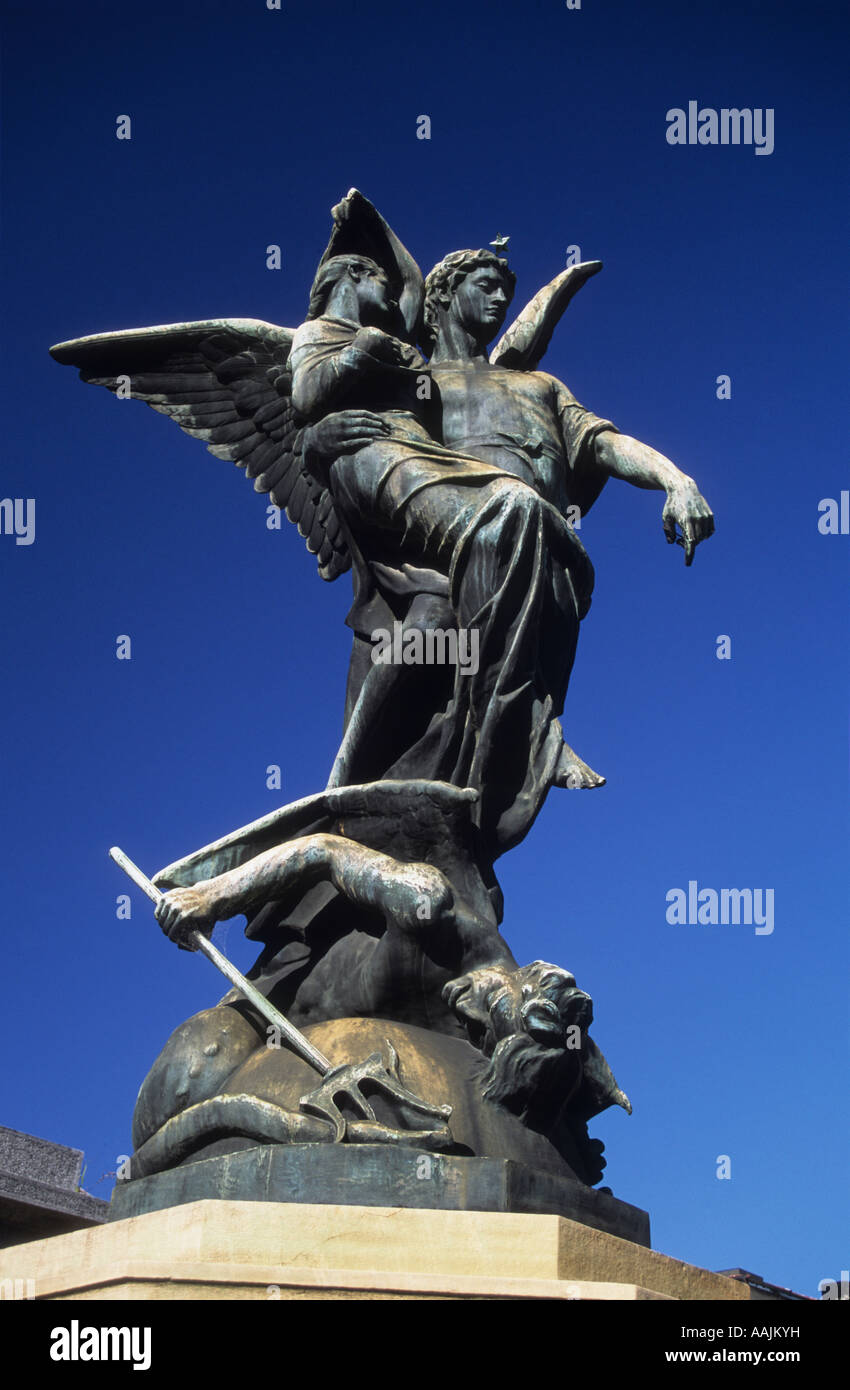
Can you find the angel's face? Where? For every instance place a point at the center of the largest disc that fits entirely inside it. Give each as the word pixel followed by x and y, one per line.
pixel 373 295
pixel 480 303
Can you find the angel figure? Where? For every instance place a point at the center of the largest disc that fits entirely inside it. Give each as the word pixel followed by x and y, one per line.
pixel 447 483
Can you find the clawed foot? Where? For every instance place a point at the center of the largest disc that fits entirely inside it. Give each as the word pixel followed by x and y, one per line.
pixel 574 773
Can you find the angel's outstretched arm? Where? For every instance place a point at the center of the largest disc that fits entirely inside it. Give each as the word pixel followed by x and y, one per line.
pixel 621 456
pixel 595 450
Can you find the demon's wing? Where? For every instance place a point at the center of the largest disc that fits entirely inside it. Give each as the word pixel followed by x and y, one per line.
pixel 225 381
pixel 522 346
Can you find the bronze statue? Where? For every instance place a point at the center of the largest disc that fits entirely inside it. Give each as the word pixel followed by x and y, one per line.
pixel 449 480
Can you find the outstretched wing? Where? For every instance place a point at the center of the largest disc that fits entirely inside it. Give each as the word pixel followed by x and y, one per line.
pixel 522 346
pixel 225 381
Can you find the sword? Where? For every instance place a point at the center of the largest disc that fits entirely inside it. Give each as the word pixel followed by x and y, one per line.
pixel 297 1040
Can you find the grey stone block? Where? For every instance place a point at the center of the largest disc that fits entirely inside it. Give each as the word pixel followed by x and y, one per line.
pixel 39 1189
pixel 29 1157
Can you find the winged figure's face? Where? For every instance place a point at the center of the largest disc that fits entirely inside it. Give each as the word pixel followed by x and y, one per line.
pixel 480 303
pixel 373 296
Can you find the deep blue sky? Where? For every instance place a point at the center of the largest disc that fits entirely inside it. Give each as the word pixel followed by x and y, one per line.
pixel 548 125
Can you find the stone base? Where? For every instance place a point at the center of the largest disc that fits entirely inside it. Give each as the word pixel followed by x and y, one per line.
pixel 40 1192
pixel 377 1175
pixel 268 1250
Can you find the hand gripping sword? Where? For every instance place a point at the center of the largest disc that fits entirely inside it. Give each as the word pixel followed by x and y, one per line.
pixel 337 1080
pixel 297 1040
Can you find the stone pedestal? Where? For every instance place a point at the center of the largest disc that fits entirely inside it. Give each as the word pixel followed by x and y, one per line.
pixel 272 1250
pixel 377 1175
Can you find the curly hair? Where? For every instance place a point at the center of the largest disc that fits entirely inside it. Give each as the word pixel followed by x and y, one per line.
pixel 443 280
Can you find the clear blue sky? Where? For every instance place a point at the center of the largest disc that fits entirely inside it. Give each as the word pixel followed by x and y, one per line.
pixel 549 125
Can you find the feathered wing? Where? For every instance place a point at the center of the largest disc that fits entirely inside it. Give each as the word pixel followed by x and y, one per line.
pixel 227 382
pixel 523 345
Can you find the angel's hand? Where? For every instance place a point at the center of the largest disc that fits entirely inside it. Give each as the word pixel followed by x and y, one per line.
pixel 344 431
pixel 383 347
pixel 183 910
pixel 687 508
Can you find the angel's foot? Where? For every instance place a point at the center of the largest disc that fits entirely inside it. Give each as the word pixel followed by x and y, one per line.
pixel 574 773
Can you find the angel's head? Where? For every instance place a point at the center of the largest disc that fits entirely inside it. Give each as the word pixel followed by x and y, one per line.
pixel 353 287
pixel 475 288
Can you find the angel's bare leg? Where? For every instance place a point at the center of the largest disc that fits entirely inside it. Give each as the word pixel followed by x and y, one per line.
pixel 405 894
